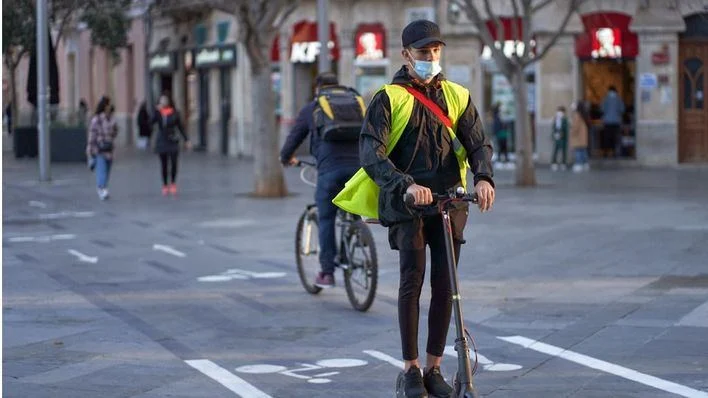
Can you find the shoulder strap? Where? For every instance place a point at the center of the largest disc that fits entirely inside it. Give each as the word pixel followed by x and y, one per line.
pixel 428 103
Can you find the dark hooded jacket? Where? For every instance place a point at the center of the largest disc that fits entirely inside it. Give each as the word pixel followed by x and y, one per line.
pixel 424 153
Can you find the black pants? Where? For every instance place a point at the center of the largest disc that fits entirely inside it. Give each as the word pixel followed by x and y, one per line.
pixel 503 150
pixel 412 266
pixel 171 158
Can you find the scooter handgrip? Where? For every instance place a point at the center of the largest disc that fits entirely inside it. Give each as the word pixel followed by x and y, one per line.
pixel 408 199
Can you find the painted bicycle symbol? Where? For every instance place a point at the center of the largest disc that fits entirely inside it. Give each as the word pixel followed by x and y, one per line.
pixel 319 378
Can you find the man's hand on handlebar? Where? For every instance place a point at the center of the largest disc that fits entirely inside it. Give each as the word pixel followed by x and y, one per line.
pixel 290 162
pixel 423 196
pixel 485 195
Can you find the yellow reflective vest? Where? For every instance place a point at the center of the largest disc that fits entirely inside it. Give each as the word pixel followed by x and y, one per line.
pixel 361 194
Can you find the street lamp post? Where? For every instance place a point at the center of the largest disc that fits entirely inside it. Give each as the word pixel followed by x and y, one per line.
pixel 43 91
pixel 323 64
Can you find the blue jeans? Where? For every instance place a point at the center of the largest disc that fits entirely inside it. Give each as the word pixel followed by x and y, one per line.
pixel 581 155
pixel 329 184
pixel 103 170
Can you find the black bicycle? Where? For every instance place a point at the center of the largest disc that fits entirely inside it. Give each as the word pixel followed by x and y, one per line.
pixel 356 253
pixel 462 381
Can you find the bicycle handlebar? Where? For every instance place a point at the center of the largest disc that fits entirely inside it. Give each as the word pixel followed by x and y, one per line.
pixel 302 163
pixel 454 196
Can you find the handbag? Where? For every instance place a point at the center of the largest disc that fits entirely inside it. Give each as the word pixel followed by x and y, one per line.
pixel 105 146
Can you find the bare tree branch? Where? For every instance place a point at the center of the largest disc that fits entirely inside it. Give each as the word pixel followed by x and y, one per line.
pixel 541 5
pixel 286 13
pixel 526 29
pixel 514 29
pixel 498 26
pixel 503 63
pixel 572 7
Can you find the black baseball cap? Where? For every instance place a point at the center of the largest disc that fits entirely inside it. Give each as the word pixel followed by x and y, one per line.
pixel 420 33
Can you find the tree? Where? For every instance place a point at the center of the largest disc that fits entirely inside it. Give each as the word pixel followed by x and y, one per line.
pixel 259 22
pixel 513 65
pixel 106 19
pixel 18 33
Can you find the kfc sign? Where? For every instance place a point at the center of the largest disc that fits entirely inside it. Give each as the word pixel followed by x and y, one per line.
pixel 305 45
pixel 606 43
pixel 307 52
pixel 370 42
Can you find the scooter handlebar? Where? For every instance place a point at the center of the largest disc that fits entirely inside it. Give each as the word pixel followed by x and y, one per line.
pixel 458 196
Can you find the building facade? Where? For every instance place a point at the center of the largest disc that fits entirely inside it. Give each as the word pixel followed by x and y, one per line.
pixel 87 73
pixel 654 53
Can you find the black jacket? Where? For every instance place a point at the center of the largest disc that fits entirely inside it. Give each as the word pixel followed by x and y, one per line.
pixel 330 155
pixel 167 137
pixel 424 154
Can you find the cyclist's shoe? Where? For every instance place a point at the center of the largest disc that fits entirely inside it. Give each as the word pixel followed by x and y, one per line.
pixel 435 383
pixel 411 384
pixel 324 281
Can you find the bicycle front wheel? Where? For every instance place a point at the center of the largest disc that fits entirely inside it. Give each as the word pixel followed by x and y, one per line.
pixel 307 250
pixel 362 273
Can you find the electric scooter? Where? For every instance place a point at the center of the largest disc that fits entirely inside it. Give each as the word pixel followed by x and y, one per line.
pixel 462 382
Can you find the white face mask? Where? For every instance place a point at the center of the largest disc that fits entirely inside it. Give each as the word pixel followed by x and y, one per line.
pixel 559 114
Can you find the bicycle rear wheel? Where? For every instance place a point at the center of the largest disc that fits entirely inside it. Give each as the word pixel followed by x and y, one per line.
pixel 362 272
pixel 307 250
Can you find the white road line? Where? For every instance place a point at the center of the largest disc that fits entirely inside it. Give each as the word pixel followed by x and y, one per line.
pixel 37 203
pixel 168 250
pixel 83 257
pixel 43 239
pixel 698 317
pixel 607 367
pixel 385 357
pixel 227 379
pixel 66 214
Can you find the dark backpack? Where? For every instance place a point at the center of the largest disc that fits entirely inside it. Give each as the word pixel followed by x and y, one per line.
pixel 339 113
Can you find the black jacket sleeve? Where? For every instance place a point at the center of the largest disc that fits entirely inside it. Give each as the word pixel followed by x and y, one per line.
pixel 372 147
pixel 298 133
pixel 471 134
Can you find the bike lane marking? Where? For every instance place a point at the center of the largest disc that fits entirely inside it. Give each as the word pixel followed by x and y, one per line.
pixel 227 379
pixel 606 367
pixel 168 250
pixel 385 357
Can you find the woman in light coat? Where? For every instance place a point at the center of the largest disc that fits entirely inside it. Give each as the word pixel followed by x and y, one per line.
pixel 579 140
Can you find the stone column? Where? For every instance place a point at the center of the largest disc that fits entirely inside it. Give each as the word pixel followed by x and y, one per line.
pixel 656 105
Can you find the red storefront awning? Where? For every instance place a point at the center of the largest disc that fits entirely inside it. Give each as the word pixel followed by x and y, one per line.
pixel 304 33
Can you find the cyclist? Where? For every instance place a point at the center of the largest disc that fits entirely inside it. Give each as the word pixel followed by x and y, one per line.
pixel 337 161
pixel 426 159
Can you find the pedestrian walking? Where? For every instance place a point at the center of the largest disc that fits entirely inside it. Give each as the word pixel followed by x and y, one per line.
pixel 167 143
pixel 612 114
pixel 579 139
pixel 144 126
pixel 501 133
pixel 560 140
pixel 102 133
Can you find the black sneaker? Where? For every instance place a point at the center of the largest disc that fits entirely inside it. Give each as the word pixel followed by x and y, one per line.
pixel 435 383
pixel 410 384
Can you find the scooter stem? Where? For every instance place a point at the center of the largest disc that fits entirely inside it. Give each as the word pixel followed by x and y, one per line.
pixel 464 387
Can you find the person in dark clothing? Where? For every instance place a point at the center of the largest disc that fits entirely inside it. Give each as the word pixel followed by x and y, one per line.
pixel 167 143
pixel 612 111
pixel 425 160
pixel 144 126
pixel 501 133
pixel 336 162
